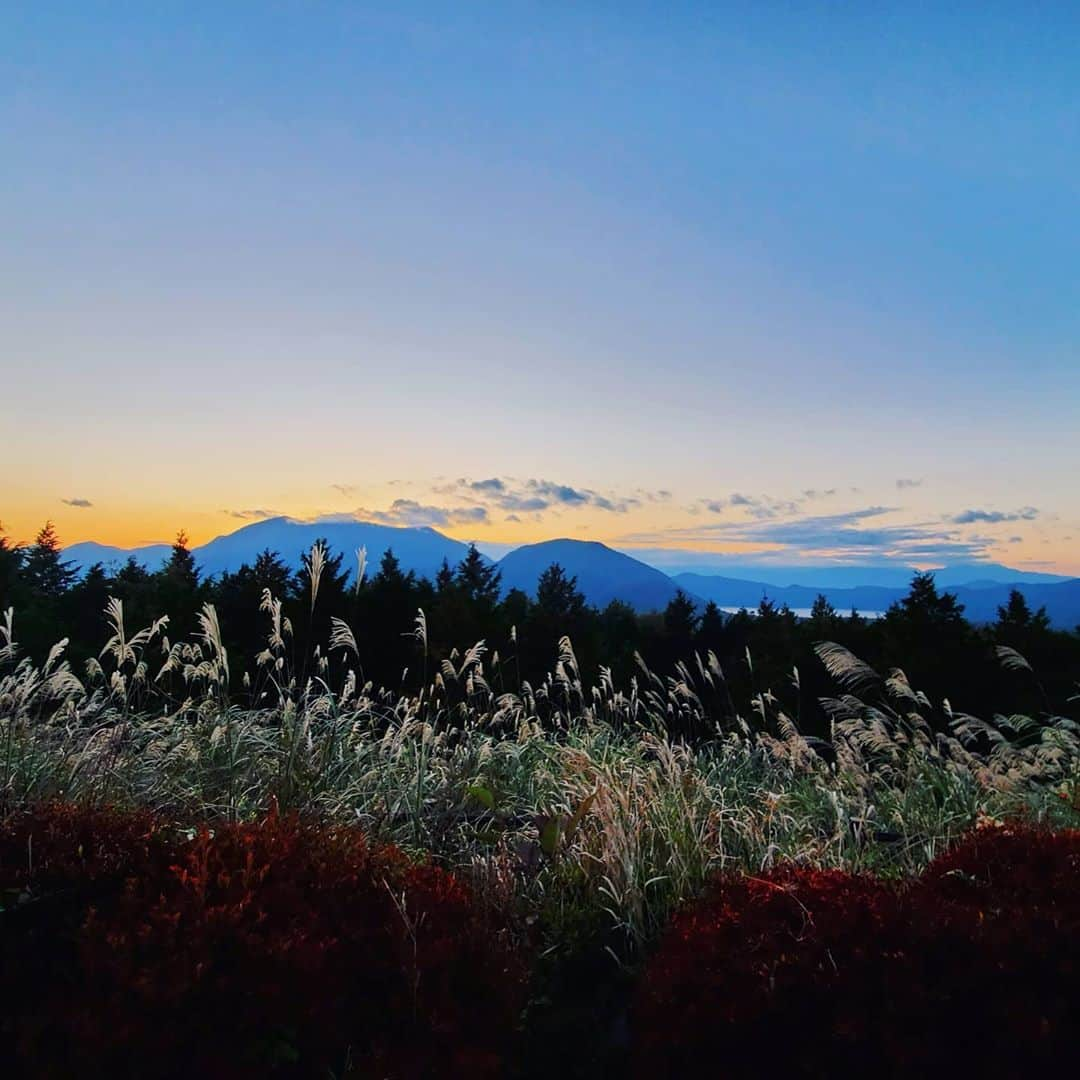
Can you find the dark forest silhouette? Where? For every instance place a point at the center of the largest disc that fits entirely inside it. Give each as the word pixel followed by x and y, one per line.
pixel 925 634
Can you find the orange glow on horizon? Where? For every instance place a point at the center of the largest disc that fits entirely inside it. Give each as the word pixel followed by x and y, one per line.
pixel 130 525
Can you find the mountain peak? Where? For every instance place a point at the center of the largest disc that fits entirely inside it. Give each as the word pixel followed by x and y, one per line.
pixel 602 573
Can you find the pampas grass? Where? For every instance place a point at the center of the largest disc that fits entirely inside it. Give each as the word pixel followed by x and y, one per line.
pixel 575 799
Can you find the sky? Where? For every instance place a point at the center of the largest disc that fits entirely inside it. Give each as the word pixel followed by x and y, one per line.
pixel 795 282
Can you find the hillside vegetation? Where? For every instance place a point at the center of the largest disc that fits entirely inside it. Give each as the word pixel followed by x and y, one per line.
pixel 583 806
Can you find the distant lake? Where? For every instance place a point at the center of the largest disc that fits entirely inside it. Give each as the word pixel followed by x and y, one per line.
pixel 804 612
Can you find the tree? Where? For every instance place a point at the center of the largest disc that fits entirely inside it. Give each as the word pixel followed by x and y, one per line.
pixel 680 627
pixel 557 595
pixel 180 567
pixel 178 591
pixel 135 587
pixel 11 560
pixel 620 638
pixel 45 578
pixel 384 619
pixel 926 608
pixel 83 613
pixel 1016 617
pixel 559 611
pixel 46 574
pixel 444 578
pixel 1029 633
pixel 311 608
pixel 926 635
pixel 711 628
pixel 680 616
pixel 479 579
pixel 824 620
pixel 238 598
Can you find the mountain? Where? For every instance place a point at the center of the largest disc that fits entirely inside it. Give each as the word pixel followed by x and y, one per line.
pixel 1061 600
pixel 85 554
pixel 605 574
pixel 734 592
pixel 894 576
pixel 987 575
pixel 421 550
pixel 602 574
pixel 981 600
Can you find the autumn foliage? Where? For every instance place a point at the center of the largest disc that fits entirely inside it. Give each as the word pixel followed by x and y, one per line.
pixel 130 948
pixel 974 969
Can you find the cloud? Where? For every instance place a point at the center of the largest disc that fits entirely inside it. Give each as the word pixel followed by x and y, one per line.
pixel 344 489
pixel 993 517
pixel 851 536
pixel 408 512
pixel 253 515
pixel 560 493
pixel 537 496
pixel 80 504
pixel 761 507
pixel 903 484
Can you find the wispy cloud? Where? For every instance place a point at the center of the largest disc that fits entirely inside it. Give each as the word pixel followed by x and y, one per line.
pixel 993 517
pixel 344 490
pixel 849 536
pixel 253 515
pixel 761 507
pixel 79 504
pixel 904 483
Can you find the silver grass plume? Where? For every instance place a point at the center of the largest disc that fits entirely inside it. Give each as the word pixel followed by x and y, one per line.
pixel 316 565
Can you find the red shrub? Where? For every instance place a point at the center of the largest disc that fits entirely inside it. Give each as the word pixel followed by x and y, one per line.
pixel 994 927
pixel 972 970
pixel 770 976
pixel 265 949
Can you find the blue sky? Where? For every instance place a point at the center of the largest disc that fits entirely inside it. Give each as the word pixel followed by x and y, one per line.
pixel 322 258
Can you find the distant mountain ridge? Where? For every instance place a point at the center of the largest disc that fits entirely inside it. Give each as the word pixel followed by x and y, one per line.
pixel 88 552
pixel 603 573
pixel 421 550
pixel 981 600
pixel 895 576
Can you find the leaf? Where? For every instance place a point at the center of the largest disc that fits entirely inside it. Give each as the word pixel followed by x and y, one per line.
pixel 550 828
pixel 484 796
pixel 578 814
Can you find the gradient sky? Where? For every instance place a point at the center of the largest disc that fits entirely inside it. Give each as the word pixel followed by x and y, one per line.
pixel 800 281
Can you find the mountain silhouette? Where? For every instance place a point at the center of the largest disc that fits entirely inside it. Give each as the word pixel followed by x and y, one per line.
pixel 84 554
pixel 605 574
pixel 602 573
pixel 981 599
pixel 421 550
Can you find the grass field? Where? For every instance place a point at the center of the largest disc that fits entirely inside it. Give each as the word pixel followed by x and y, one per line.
pixel 567 809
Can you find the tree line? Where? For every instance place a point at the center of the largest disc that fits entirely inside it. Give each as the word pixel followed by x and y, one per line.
pixel 925 633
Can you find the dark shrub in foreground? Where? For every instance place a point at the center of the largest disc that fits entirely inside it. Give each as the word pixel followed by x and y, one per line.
pixel 993 976
pixel 973 970
pixel 276 948
pixel 778 975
